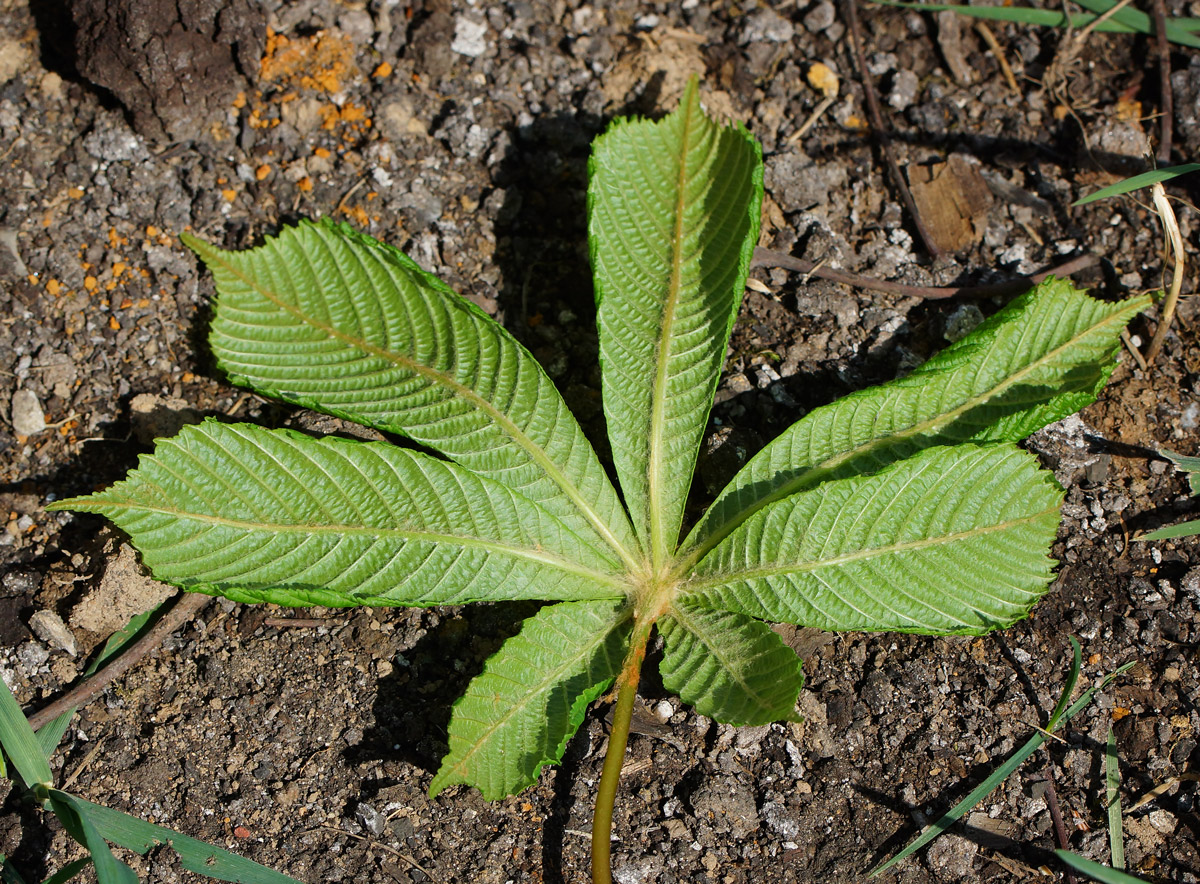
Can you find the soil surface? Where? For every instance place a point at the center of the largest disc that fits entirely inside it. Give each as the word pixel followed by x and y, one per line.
pixel 459 132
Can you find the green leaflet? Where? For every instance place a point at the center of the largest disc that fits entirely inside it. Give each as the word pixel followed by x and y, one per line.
pixel 951 540
pixel 260 515
pixel 334 320
pixel 1045 356
pixel 519 713
pixel 728 666
pixel 673 210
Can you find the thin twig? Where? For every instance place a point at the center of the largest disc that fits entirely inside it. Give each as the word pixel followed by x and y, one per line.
pixel 1133 351
pixel 771 258
pixel 184 609
pixel 881 132
pixel 990 39
pixel 1166 98
pixel 1060 831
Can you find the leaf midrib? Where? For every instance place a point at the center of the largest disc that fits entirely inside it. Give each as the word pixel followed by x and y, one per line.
pixel 814 474
pixel 460 390
pixel 659 543
pixel 718 579
pixel 469 541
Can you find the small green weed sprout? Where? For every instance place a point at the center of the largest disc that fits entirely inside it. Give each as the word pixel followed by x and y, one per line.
pixel 906 507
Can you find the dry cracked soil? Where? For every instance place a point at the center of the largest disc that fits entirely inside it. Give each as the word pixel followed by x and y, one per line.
pixel 459 131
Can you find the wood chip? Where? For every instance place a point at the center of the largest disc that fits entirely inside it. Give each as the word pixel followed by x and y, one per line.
pixel 953 200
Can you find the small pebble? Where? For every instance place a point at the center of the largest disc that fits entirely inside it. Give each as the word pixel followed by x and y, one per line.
pixel 371 819
pixel 27 415
pixel 469 37
pixel 820 17
pixel 49 627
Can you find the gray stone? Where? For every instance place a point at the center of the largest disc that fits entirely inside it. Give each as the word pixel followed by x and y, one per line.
pixel 49 627
pixel 470 37
pixel 27 416
pixel 820 17
pixel 768 25
pixel 370 818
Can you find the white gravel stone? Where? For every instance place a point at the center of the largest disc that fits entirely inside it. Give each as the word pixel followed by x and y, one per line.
pixel 470 37
pixel 27 415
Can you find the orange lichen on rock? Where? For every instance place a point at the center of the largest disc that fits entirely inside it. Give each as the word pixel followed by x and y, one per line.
pixel 321 61
pixel 384 70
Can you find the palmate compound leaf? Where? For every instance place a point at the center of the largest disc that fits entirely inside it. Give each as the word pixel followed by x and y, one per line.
pixel 328 318
pixel 856 518
pixel 951 540
pixel 260 515
pixel 673 215
pixel 1045 356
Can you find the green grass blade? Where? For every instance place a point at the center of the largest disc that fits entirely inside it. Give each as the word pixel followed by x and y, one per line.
pixel 1025 15
pixel 8 872
pixel 20 743
pixel 728 666
pixel 673 216
pixel 196 856
pixel 1045 356
pixel 1141 22
pixel 1112 801
pixel 1060 708
pixel 1101 873
pixel 1136 182
pixel 331 319
pixel 518 714
pixel 1127 20
pixel 951 540
pixel 340 522
pixel 1059 718
pixel 68 872
pixel 76 818
pixel 1183 529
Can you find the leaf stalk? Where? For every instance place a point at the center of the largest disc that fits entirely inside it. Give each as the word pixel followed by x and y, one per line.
pixel 614 758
